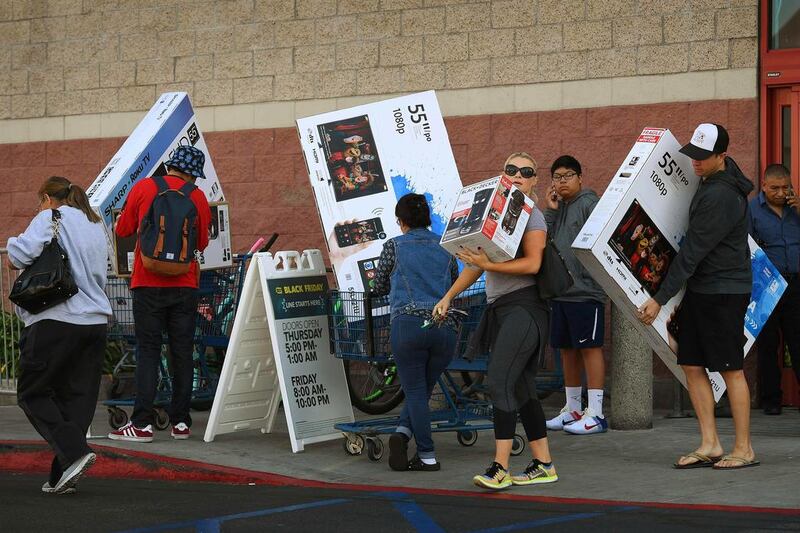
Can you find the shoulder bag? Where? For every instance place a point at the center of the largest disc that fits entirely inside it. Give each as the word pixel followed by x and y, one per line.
pixel 554 278
pixel 48 280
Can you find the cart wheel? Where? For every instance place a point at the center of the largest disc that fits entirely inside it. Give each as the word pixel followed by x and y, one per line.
pixel 374 449
pixel 468 437
pixel 518 446
pixel 353 443
pixel 162 419
pixel 117 417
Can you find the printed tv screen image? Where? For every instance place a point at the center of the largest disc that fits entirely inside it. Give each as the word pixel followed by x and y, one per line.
pixel 352 158
pixel 642 248
pixel 359 232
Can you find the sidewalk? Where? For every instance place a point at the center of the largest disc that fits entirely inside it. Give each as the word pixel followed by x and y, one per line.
pixel 625 466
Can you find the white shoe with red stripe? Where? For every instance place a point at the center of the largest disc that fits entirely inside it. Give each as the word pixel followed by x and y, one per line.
pixel 589 424
pixel 131 433
pixel 564 418
pixel 180 431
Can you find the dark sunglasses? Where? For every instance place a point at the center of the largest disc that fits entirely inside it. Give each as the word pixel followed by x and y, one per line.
pixel 525 172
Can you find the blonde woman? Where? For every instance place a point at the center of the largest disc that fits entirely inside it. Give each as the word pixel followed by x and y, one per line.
pixel 513 329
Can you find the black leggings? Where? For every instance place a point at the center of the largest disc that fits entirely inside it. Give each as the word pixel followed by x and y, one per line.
pixel 511 375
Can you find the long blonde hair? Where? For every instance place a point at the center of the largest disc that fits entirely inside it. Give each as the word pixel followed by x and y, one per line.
pixel 68 193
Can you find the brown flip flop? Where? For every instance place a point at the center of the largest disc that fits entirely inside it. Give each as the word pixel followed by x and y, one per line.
pixel 703 461
pixel 743 463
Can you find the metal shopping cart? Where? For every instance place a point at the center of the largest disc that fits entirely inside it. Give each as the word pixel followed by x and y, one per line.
pixel 219 294
pixel 359 331
pixel 121 336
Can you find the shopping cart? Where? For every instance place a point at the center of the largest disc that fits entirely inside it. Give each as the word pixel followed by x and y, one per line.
pixel 219 293
pixel 359 331
pixel 121 334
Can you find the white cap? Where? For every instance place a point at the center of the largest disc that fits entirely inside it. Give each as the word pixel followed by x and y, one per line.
pixel 708 139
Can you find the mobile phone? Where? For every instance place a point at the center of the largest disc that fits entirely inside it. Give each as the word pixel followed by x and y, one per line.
pixel 359 232
pixel 790 194
pixel 479 203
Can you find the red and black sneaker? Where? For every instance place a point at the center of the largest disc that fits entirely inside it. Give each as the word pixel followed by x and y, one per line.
pixel 131 433
pixel 180 431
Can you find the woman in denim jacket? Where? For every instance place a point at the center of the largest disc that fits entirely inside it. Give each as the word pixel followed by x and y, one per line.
pixel 416 273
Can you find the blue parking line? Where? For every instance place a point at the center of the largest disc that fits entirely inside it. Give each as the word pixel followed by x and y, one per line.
pixel 411 511
pixel 212 525
pixel 552 520
pixel 538 523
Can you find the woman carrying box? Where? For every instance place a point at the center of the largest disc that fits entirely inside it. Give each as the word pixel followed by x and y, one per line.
pixel 513 329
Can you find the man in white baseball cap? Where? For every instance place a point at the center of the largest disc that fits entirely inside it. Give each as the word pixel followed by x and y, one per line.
pixel 714 263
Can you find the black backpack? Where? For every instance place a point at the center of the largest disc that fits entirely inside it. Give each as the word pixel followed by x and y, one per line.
pixel 168 232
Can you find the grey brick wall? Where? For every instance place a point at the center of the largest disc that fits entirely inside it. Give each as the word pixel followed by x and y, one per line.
pixel 69 57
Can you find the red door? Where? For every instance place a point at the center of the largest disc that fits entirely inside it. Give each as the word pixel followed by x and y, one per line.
pixel 782 134
pixel 779 87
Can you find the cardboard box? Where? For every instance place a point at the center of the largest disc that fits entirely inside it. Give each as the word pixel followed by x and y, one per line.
pixel 492 215
pixel 635 232
pixel 216 255
pixel 362 160
pixel 169 123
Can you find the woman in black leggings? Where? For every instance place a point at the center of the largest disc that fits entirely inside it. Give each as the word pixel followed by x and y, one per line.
pixel 514 330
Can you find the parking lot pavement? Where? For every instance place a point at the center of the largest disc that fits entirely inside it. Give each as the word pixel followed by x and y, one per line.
pixel 129 505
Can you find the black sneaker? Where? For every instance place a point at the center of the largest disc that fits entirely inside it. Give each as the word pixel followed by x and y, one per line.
pixel 398 452
pixel 417 465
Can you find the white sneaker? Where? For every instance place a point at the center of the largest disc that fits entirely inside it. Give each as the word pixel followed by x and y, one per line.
pixel 73 473
pixel 590 423
pixel 131 433
pixel 564 418
pixel 47 488
pixel 180 431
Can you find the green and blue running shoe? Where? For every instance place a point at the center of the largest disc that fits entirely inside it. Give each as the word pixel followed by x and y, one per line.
pixel 536 473
pixel 495 478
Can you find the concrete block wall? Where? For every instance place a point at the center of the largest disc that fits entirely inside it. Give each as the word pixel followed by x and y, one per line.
pixel 76 57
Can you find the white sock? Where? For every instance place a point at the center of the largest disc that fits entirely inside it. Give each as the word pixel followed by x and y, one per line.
pixel 428 461
pixel 596 401
pixel 574 398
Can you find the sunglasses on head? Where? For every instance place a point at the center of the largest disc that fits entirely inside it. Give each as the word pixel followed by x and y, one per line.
pixel 525 172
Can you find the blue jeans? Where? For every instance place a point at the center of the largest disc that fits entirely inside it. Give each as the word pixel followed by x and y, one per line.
pixel 421 356
pixel 156 310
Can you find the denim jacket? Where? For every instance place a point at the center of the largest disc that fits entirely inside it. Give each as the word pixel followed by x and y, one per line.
pixel 415 271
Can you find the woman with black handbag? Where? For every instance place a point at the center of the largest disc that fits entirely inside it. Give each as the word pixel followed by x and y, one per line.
pixel 513 329
pixel 64 339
